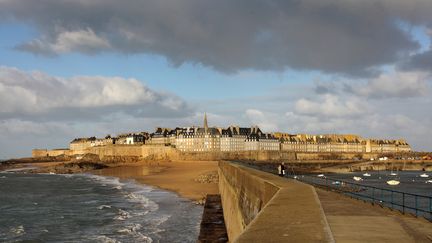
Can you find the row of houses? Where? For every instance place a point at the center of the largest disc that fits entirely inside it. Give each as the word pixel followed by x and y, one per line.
pixel 235 138
pixel 340 143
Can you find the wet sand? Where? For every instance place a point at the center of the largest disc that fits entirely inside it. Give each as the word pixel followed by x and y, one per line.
pixel 180 177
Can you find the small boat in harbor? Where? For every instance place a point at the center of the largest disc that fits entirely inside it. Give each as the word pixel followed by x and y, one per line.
pixel 366 174
pixel 393 182
pixel 429 181
pixel 357 178
pixel 424 175
pixel 320 175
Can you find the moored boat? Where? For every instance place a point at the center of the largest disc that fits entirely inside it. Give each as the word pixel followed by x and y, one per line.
pixel 393 182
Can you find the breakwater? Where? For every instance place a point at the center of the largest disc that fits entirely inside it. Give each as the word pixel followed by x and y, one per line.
pixel 260 207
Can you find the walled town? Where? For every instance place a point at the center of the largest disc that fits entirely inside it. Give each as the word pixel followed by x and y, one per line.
pixel 232 139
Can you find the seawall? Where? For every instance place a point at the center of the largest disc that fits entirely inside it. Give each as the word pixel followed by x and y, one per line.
pixel 261 207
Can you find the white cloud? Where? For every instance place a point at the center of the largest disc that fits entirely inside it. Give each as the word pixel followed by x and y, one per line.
pixel 264 121
pixel 35 92
pixel 84 40
pixel 394 84
pixel 331 106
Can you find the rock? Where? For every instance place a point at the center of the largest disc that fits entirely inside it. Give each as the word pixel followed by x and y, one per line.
pixel 208 178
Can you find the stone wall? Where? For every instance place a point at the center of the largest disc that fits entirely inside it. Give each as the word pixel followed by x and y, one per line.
pixel 261 207
pixel 117 150
pixel 333 156
pixel 58 152
pixel 38 153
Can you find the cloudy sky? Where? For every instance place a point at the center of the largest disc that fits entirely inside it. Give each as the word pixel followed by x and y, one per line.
pixel 74 68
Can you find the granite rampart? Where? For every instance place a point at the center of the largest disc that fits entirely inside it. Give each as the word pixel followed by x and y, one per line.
pixel 261 207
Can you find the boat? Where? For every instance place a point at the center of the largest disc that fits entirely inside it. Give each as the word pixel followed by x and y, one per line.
pixel 366 174
pixel 393 182
pixel 320 175
pixel 393 174
pixel 336 183
pixel 424 175
pixel 357 178
pixel 429 181
pixel 52 173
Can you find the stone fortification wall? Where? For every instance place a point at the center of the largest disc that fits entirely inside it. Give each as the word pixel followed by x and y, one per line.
pixel 38 153
pixel 117 150
pixel 261 207
pixel 59 152
pixel 157 152
pixel 240 155
pixel 333 156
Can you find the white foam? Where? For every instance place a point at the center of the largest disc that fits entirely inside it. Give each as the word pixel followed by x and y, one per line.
pixel 122 215
pixel 133 230
pixel 130 229
pixel 105 239
pixel 145 202
pixel 19 230
pixel 105 180
pixel 103 206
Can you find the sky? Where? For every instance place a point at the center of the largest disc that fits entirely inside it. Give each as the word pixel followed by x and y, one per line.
pixel 77 68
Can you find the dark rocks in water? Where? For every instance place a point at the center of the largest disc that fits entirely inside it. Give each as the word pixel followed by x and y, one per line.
pixel 76 167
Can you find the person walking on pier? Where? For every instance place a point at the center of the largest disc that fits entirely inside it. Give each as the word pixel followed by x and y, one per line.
pixel 281 169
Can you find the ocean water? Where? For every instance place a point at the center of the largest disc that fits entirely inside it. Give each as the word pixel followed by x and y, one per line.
pixel 90 208
pixel 393 196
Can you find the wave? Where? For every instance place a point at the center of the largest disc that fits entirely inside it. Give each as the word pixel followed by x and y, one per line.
pixel 133 230
pixel 103 207
pixel 19 230
pixel 122 215
pixel 105 239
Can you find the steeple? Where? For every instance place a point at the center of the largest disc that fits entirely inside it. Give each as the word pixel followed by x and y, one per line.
pixel 205 123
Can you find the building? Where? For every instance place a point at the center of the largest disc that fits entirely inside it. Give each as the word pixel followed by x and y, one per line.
pixel 235 138
pixel 334 143
pixel 199 139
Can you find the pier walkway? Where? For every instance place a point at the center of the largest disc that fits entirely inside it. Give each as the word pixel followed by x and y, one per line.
pixel 261 207
pixel 352 220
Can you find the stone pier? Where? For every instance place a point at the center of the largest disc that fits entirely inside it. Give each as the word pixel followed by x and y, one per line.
pixel 262 207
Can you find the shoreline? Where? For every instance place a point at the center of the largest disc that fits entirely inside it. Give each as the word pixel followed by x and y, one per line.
pixel 192 180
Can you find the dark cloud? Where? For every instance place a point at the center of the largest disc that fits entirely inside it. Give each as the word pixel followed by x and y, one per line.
pixel 419 62
pixel 348 37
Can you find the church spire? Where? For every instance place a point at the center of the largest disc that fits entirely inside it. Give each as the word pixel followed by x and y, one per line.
pixel 205 123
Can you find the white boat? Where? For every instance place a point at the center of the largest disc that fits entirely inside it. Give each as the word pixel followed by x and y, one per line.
pixel 429 181
pixel 366 174
pixel 52 173
pixel 393 174
pixel 357 178
pixel 295 177
pixel 320 175
pixel 393 182
pixel 424 175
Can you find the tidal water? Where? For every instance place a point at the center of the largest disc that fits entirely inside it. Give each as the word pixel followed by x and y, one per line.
pixel 90 208
pixel 413 195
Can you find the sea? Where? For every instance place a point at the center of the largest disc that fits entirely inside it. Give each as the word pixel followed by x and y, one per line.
pixel 92 208
pixel 412 195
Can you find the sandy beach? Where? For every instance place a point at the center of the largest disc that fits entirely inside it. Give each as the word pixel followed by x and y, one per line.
pixel 192 180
